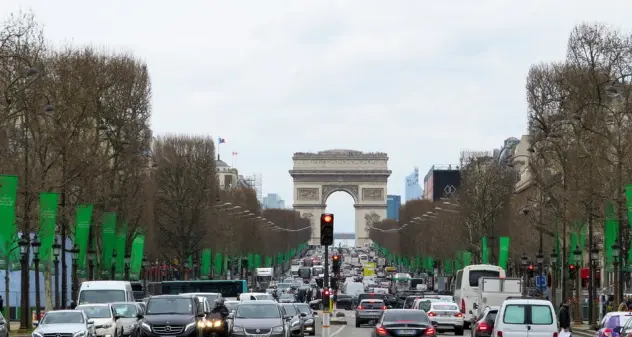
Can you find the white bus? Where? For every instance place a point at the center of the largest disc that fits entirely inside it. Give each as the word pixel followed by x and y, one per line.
pixel 466 287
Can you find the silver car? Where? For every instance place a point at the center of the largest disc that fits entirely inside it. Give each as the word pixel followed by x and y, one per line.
pixel 368 311
pixel 106 323
pixel 65 323
pixel 3 326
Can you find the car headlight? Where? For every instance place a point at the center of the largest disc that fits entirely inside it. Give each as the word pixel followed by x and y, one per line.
pixel 190 326
pixel 296 323
pixel 238 329
pixel 202 324
pixel 80 334
pixel 309 321
pixel 105 326
pixel 36 334
pixel 146 326
pixel 217 324
pixel 277 329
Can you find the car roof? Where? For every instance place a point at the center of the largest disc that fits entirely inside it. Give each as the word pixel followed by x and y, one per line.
pixel 258 302
pixel 443 303
pixel 527 301
pixel 372 300
pixel 94 305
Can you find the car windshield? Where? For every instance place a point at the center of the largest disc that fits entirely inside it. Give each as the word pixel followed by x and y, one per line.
pixel 404 316
pixel 255 311
pixel 290 310
pixel 304 308
pixel 284 285
pixel 169 305
pixel 448 307
pixel 63 318
pixel 125 310
pixel 101 296
pixel 286 296
pixel 96 311
pixel 264 297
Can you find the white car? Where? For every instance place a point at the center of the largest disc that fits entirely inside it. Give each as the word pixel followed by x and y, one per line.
pixel 447 316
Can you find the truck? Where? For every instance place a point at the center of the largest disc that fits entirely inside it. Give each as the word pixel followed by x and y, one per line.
pixel 263 277
pixel 294 269
pixel 493 291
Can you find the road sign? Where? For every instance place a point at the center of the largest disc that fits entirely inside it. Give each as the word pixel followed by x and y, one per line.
pixel 540 281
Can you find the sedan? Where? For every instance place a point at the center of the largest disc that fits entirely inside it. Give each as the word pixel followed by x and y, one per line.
pixel 404 322
pixel 484 324
pixel 309 322
pixel 129 315
pixel 447 316
pixel 613 320
pixel 65 322
pixel 297 327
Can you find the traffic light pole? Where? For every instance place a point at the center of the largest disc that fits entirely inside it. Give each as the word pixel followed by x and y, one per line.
pixel 326 318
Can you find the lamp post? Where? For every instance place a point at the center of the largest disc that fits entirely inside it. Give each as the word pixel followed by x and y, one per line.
pixel 539 259
pixel 144 273
pixel 75 282
pixel 113 268
pixel 616 250
pixel 553 261
pixel 56 248
pixel 36 260
pixel 594 263
pixel 24 252
pixel 91 256
pixel 524 260
pixel 578 259
pixel 127 266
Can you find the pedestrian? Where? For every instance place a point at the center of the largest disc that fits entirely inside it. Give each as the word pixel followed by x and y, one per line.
pixel 565 317
pixel 622 307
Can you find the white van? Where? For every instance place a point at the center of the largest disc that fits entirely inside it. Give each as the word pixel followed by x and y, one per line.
pixel 523 317
pixel 466 287
pixel 255 297
pixel 92 292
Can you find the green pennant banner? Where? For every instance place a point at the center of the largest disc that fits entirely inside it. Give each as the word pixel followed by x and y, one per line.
pixel 121 243
pixel 82 236
pixel 219 263
pixel 108 243
pixel 503 252
pixel 8 230
pixel 136 261
pixel 48 202
pixel 467 258
pixel 484 251
pixel 205 266
pixel 628 203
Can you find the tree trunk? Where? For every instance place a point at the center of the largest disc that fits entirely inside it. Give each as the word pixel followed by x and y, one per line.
pixel 7 293
pixel 48 287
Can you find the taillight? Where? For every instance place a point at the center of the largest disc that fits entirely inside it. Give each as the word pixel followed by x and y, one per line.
pixel 381 331
pixel 458 315
pixel 607 332
pixel 499 334
pixel 463 305
pixel 482 327
pixel 430 332
pixel 360 307
pixel 555 334
pixel 383 307
pixel 431 314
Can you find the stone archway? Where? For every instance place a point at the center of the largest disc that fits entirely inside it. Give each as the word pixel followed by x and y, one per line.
pixel 364 176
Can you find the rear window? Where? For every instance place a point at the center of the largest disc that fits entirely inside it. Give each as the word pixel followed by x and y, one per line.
pixel 372 304
pixel 416 316
pixel 445 307
pixel 372 296
pixel 517 314
pixel 476 274
pixel 491 316
pixel 617 320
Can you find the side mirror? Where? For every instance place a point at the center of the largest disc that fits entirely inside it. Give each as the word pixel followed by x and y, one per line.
pixel 117 317
pixel 231 315
pixel 303 314
pixel 35 324
pixel 140 316
pixel 287 318
pixel 90 322
pixel 596 327
pixel 200 314
pixel 390 307
pixel 618 329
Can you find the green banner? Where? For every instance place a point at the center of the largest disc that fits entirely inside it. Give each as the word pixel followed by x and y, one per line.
pixel 82 236
pixel 138 251
pixel 219 263
pixel 121 243
pixel 484 251
pixel 467 258
pixel 108 243
pixel 503 253
pixel 628 203
pixel 48 202
pixel 8 230
pixel 206 257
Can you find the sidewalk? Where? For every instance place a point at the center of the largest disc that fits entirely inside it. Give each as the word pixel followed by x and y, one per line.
pixel 583 329
pixel 15 327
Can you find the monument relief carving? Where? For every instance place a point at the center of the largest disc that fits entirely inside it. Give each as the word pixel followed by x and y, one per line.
pixel 307 216
pixel 372 194
pixel 329 189
pixel 307 194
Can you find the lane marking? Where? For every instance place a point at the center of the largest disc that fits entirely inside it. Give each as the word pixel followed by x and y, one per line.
pixel 337 331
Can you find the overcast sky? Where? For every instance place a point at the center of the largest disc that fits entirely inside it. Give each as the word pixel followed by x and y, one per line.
pixel 420 79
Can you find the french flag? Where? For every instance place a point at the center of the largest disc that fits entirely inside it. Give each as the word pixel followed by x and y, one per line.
pixel 221 140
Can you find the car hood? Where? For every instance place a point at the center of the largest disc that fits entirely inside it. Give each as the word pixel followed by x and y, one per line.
pixel 102 321
pixel 60 328
pixel 169 319
pixel 261 323
pixel 128 320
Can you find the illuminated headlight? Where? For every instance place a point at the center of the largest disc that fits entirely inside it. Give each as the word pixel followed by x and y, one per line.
pixel 217 324
pixel 146 326
pixel 202 325
pixel 190 326
pixel 240 329
pixel 309 321
pixel 80 334
pixel 277 329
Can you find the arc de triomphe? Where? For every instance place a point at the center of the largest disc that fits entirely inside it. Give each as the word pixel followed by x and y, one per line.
pixel 362 175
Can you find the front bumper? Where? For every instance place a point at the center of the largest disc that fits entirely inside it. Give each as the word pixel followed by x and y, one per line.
pixel 252 332
pixel 186 333
pixel 109 332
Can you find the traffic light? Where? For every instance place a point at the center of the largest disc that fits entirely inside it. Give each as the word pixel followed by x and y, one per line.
pixel 326 229
pixel 325 298
pixel 334 283
pixel 335 264
pixel 572 271
pixel 531 268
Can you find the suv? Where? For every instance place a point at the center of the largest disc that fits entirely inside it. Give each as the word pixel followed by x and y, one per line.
pixel 525 317
pixel 172 315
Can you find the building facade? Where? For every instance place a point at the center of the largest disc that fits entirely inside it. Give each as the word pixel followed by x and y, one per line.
pixel 228 177
pixel 441 181
pixel 393 203
pixel 273 200
pixel 413 189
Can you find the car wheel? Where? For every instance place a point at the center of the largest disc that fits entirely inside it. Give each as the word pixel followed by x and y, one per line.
pixel 466 325
pixel 458 331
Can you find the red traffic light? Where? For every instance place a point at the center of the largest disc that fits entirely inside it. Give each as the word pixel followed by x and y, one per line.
pixel 335 257
pixel 530 267
pixel 328 218
pixel 571 267
pixel 326 292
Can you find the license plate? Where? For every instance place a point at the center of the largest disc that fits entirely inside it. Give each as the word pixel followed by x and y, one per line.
pixel 406 332
pixel 258 335
pixel 446 315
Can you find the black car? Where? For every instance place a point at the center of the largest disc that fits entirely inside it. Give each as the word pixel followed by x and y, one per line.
pixel 404 322
pixel 173 316
pixel 309 320
pixel 344 301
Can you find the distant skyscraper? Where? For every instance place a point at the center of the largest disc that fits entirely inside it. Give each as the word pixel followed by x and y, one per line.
pixel 393 203
pixel 273 200
pixel 413 188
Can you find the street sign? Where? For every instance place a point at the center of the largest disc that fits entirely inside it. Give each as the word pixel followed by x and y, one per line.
pixel 540 281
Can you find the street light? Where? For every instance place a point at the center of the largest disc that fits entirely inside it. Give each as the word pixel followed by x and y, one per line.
pixel 616 251
pixel 113 274
pixel 91 257
pixel 144 273
pixel 553 262
pixel 56 249
pixel 524 260
pixel 592 293
pixel 539 258
pixel 127 266
pixel 578 259
pixel 74 252
pixel 38 302
pixel 24 284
